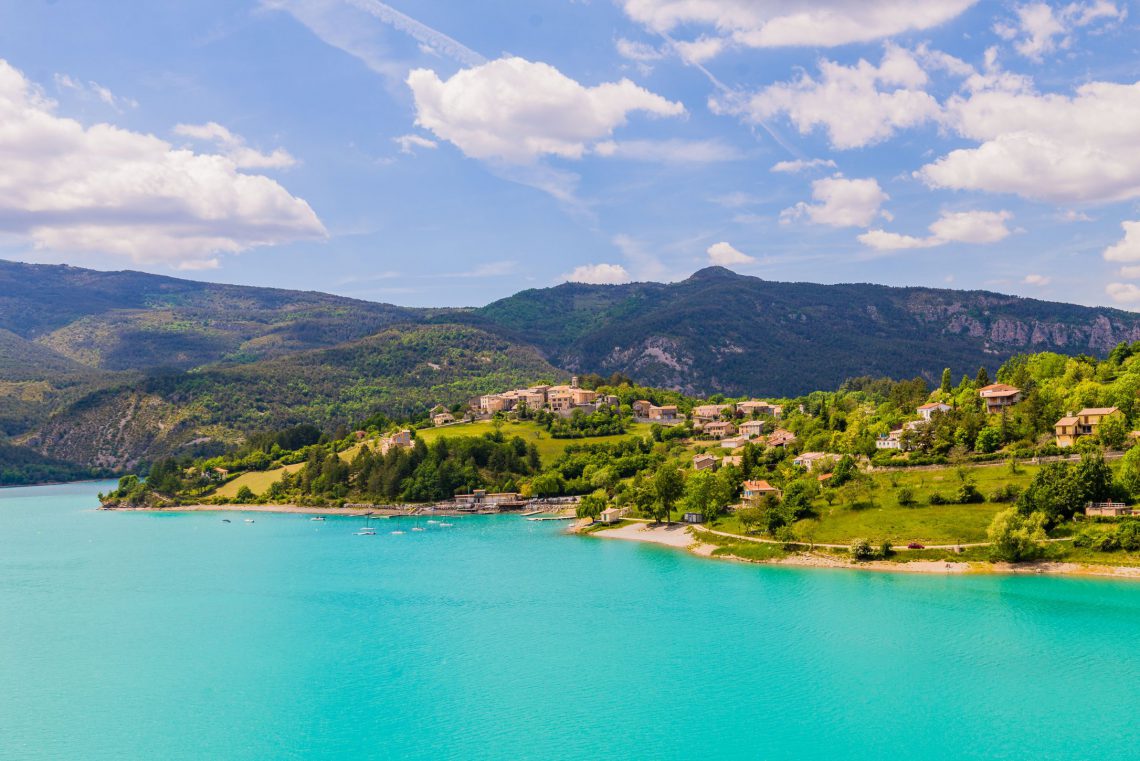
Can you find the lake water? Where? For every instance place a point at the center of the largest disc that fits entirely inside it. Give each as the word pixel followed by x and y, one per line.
pixel 178 636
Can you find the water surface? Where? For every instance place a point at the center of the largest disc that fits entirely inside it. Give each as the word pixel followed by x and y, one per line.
pixel 179 636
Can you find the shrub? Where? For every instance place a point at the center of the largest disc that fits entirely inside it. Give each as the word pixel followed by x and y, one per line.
pixel 1007 493
pixel 968 494
pixel 938 499
pixel 905 496
pixel 861 549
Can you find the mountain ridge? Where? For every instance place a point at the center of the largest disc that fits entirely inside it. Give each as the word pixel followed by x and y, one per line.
pixel 133 366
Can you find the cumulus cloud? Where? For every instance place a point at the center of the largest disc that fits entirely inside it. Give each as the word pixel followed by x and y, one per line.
pixel 516 111
pixel 976 227
pixel 1038 280
pixel 1053 147
pixel 779 23
pixel 802 165
pixel 1127 249
pixel 857 105
pixel 1040 29
pixel 669 151
pixel 598 274
pixel 840 202
pixel 99 188
pixel 1123 293
pixel 641 52
pixel 725 255
pixel 234 146
pixel 409 143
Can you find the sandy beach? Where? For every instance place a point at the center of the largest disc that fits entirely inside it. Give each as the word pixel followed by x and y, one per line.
pixel 681 536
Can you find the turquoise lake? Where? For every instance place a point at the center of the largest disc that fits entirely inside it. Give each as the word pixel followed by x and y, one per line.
pixel 179 636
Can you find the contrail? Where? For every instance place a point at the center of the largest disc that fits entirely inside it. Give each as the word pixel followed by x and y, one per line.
pixel 731 94
pixel 422 33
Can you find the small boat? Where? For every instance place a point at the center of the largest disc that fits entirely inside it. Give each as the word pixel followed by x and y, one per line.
pixel 397 532
pixel 418 528
pixel 431 522
pixel 365 532
pixel 226 520
pixel 446 525
pixel 317 518
pixel 249 520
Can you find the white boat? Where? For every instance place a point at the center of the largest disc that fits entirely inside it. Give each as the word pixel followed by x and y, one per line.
pixel 249 520
pixel 445 525
pixel 317 518
pixel 397 532
pixel 430 522
pixel 418 528
pixel 365 532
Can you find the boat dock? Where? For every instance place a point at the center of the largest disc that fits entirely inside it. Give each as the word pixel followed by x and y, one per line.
pixel 554 518
pixel 532 512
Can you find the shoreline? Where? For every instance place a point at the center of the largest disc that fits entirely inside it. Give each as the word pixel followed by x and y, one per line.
pixel 290 509
pixel 678 536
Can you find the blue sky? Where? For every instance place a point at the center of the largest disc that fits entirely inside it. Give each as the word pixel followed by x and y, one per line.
pixel 451 153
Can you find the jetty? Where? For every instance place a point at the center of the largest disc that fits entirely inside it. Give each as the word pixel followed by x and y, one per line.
pixel 553 518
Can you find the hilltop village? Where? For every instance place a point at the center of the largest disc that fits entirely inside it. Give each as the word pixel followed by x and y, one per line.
pixel 895 463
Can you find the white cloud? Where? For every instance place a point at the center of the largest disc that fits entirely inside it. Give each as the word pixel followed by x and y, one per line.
pixel 736 200
pixel 1123 293
pixel 975 227
pixel 725 255
pixel 234 147
pixel 802 165
pixel 92 89
pixel 778 23
pixel 638 51
pixel 1038 280
pixel 857 105
pixel 699 50
pixel 669 151
pixel 1040 29
pixel 68 187
pixel 841 202
pixel 409 143
pixel 516 111
pixel 1132 272
pixel 1127 249
pixel 598 274
pixel 1056 148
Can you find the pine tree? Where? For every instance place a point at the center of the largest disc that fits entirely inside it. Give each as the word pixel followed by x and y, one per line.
pixel 946 381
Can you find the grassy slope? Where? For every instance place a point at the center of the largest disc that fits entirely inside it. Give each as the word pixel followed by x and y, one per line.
pixel 548 448
pixel 929 524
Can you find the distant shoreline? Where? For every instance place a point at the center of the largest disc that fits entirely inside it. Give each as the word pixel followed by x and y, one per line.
pixel 285 509
pixel 678 536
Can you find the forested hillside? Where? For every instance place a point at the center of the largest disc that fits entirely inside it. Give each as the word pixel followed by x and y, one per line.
pixel 719 331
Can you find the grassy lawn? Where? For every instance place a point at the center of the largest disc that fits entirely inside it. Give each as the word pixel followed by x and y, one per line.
pixel 842 522
pixel 257 481
pixel 548 447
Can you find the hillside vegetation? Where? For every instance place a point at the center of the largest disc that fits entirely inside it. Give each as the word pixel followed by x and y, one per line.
pixel 722 332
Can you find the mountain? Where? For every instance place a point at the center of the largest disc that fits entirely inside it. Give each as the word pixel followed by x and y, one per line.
pixel 398 371
pixel 133 320
pixel 112 369
pixel 720 331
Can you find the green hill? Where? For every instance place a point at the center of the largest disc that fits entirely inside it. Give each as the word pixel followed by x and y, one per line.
pixel 719 331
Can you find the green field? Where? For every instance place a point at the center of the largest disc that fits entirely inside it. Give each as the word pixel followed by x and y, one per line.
pixel 841 522
pixel 548 447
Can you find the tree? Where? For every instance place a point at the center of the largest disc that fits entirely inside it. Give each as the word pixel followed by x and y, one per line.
pixel 862 549
pixel 1015 537
pixel 245 495
pixel 947 382
pixel 1129 474
pixel 699 488
pixel 1053 492
pixel 669 485
pixel 989 439
pixel 1093 478
pixel 1113 431
pixel 750 517
pixel 592 505
pixel 983 377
